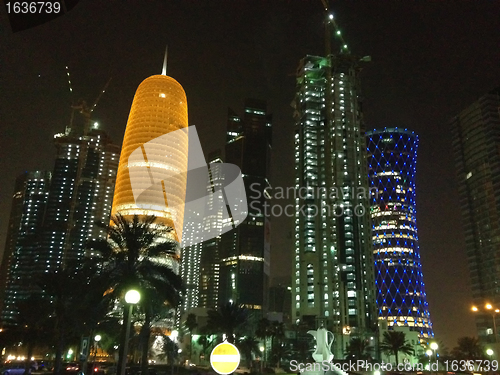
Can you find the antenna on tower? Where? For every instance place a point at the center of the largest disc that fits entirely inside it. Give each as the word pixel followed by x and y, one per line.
pixel 164 70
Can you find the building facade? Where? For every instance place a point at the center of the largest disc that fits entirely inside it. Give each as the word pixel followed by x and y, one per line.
pixel 200 261
pixel 159 108
pixel 234 266
pixel 29 201
pixel 81 195
pixel 332 279
pixel 244 250
pixel 76 196
pixel 400 289
pixel 476 145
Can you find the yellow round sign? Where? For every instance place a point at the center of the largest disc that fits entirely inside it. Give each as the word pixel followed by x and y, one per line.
pixel 225 358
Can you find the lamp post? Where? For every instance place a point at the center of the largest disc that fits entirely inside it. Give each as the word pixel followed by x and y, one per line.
pixel 173 337
pixel 97 338
pixel 132 297
pixel 493 313
pixel 434 347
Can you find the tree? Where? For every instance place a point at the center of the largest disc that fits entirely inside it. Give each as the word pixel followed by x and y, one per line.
pixel 249 346
pixel 191 324
pixel 228 319
pixel 468 348
pixel 135 254
pixel 206 343
pixel 78 304
pixel 395 342
pixel 32 324
pixel 358 348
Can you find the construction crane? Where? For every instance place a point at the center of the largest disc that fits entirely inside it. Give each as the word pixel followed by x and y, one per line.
pixel 82 107
pixel 330 21
pixel 81 129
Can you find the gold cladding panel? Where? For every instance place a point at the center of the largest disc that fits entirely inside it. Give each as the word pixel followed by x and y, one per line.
pixel 159 107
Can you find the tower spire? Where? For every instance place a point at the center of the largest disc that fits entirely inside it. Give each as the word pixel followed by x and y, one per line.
pixel 164 70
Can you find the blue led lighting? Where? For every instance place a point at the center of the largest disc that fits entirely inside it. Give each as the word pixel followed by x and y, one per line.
pixel 398 272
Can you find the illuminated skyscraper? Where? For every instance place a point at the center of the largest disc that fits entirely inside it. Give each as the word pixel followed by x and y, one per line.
pixel 80 195
pixel 332 282
pixel 401 298
pixel 29 201
pixel 159 107
pixel 200 262
pixel 244 250
pixel 234 266
pixel 476 145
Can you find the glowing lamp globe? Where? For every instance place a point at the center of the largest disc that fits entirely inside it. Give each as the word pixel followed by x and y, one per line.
pixel 132 297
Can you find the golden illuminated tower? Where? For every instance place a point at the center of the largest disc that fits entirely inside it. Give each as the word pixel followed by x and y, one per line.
pixel 159 107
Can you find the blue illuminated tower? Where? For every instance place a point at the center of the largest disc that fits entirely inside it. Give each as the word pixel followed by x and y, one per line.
pixel 401 298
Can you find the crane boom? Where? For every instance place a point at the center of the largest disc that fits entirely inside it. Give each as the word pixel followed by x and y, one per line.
pixel 100 95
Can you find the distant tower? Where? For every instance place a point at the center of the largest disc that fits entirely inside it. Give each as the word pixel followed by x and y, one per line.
pixel 235 265
pixel 159 107
pixel 200 262
pixel 401 298
pixel 476 145
pixel 80 195
pixel 26 217
pixel 245 250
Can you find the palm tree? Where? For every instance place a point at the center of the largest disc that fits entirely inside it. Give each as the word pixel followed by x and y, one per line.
pixel 33 323
pixel 228 319
pixel 77 304
pixel 134 255
pixel 395 342
pixel 358 348
pixel 468 348
pixel 248 346
pixel 205 342
pixel 191 324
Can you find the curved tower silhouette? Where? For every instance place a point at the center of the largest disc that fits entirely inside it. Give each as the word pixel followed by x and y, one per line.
pixel 159 107
pixel 400 290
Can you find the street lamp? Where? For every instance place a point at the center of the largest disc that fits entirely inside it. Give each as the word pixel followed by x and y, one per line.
pixel 434 346
pixel 173 337
pixel 97 338
pixel 132 297
pixel 493 313
pixel 489 352
pixel 429 354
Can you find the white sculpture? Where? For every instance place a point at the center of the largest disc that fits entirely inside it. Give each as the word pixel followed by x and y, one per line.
pixel 323 344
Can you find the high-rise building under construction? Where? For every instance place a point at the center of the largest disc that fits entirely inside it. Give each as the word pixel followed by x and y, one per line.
pixel 57 224
pixel 332 279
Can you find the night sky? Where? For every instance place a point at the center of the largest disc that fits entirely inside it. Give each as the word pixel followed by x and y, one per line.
pixel 430 59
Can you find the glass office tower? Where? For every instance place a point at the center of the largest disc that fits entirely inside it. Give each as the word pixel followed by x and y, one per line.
pixel 29 202
pixel 476 146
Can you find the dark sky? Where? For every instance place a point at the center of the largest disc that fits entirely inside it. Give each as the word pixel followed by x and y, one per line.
pixel 429 60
